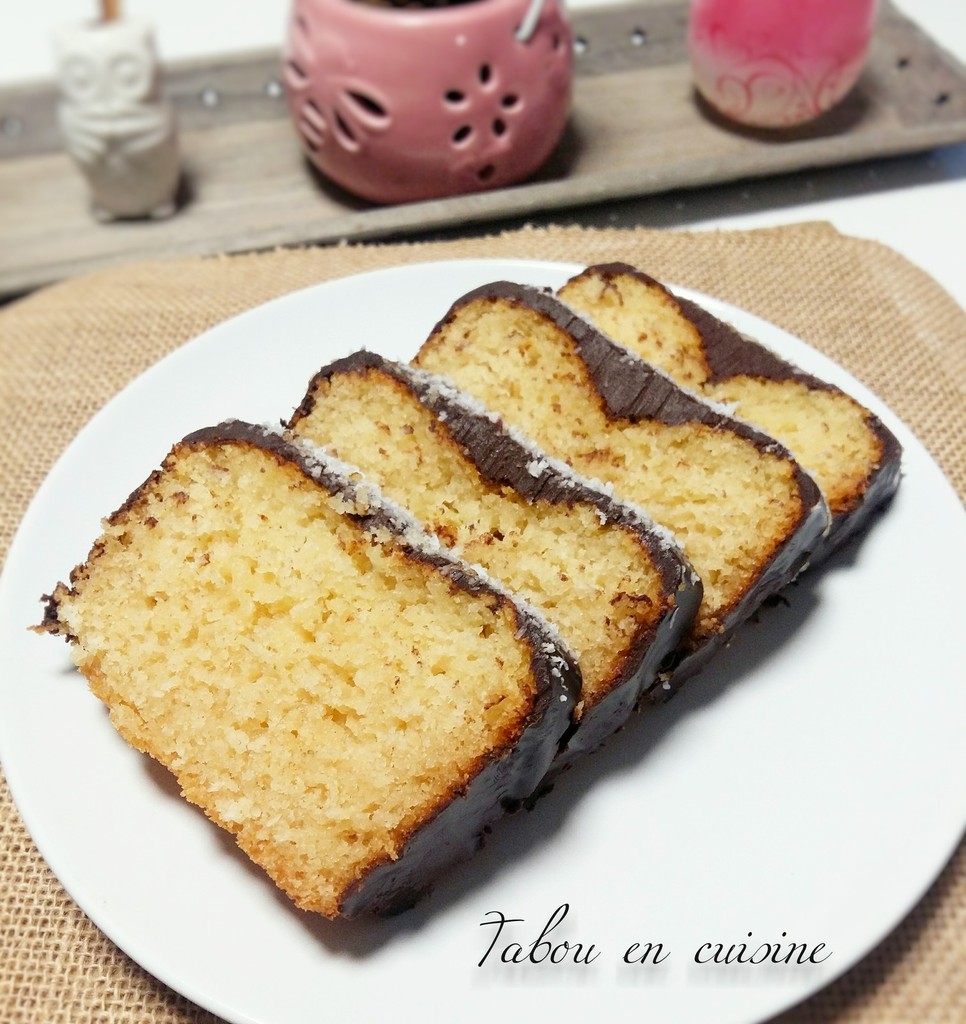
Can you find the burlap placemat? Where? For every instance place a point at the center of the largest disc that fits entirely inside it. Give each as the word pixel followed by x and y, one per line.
pixel 65 350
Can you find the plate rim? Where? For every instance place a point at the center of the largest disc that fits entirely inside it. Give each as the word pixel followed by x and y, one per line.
pixel 211 336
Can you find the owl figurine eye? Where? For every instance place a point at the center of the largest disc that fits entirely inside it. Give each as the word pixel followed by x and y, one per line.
pixel 130 76
pixel 79 77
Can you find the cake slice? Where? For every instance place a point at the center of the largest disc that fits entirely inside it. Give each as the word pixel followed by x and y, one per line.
pixel 745 513
pixel 853 457
pixel 615 585
pixel 352 703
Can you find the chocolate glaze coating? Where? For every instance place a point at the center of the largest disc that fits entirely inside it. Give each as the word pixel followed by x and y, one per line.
pixel 729 353
pixel 726 352
pixel 634 390
pixel 505 777
pixel 503 460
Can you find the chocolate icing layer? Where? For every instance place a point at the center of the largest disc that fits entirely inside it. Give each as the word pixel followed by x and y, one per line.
pixel 506 776
pixel 728 353
pixel 634 390
pixel 501 458
pixel 505 459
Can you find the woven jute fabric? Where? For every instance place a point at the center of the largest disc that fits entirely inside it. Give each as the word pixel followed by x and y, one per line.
pixel 66 350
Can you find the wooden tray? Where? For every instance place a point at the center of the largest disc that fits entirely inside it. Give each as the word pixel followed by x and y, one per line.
pixel 636 129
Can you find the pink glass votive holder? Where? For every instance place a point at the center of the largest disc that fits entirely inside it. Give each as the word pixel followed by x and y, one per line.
pixel 404 104
pixel 778 63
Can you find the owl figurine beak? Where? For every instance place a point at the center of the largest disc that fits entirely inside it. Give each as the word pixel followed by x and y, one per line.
pixel 116 123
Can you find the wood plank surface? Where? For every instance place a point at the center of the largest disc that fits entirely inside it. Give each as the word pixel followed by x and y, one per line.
pixel 636 128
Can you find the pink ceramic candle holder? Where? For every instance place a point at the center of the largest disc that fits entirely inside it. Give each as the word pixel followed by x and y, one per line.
pixel 778 63
pixel 404 104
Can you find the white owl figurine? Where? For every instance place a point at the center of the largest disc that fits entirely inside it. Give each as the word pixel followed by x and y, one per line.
pixel 115 122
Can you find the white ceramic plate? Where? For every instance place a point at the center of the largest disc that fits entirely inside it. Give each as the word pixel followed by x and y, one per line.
pixel 806 789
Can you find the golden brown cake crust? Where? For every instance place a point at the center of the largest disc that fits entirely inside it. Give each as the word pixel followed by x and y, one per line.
pixel 504 461
pixel 147 700
pixel 630 390
pixel 502 458
pixel 729 356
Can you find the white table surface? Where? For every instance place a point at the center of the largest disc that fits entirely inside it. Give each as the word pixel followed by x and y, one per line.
pixel 915 204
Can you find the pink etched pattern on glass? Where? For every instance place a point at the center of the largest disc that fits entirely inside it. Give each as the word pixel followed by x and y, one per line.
pixel 778 63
